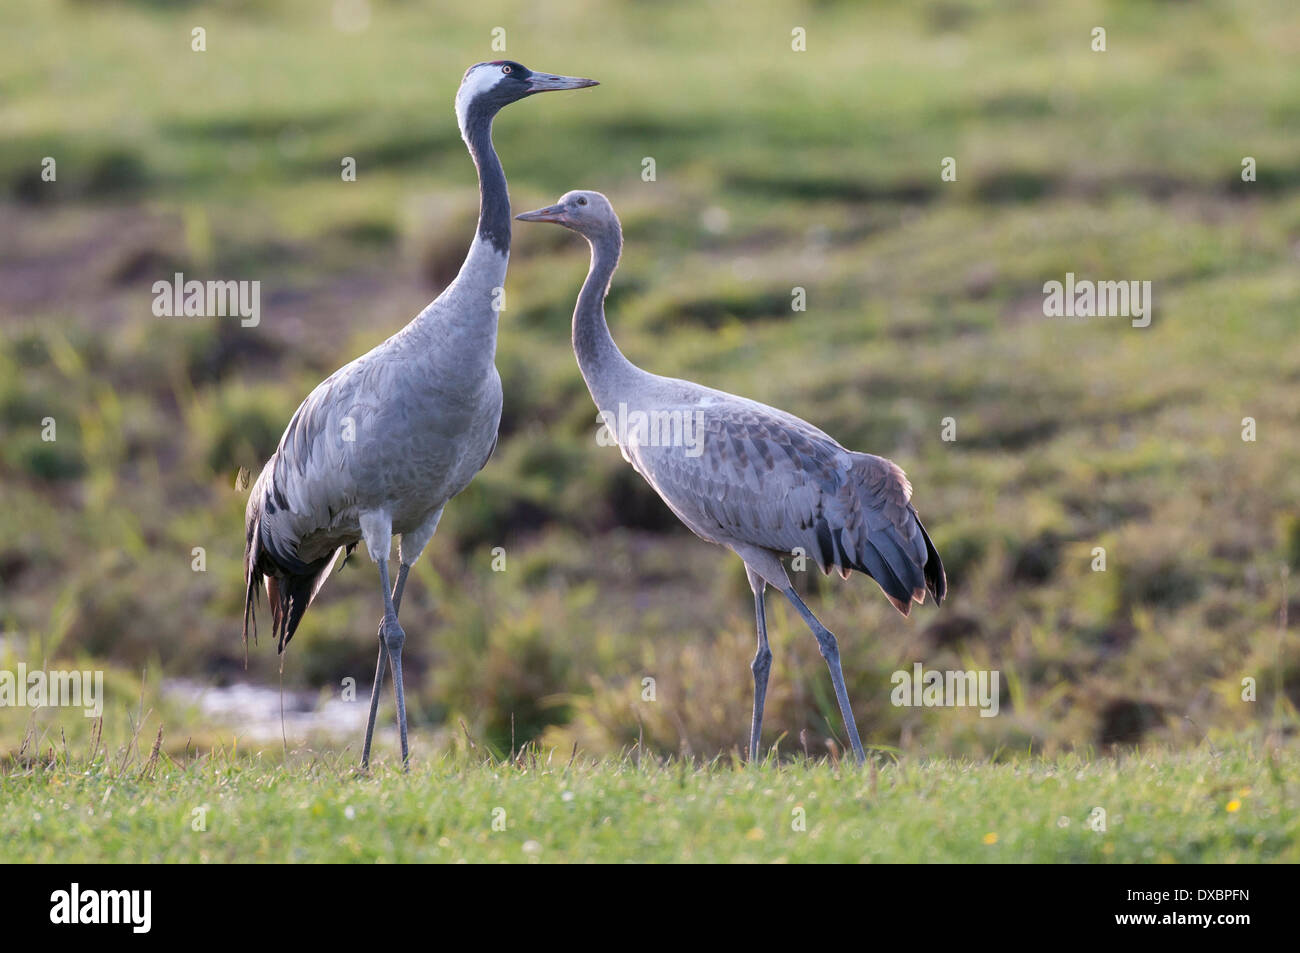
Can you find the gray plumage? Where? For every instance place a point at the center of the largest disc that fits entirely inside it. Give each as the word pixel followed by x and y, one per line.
pixel 398 432
pixel 381 445
pixel 743 475
pixel 773 484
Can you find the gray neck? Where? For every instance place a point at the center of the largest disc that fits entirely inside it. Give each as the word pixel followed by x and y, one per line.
pixel 458 331
pixel 494 198
pixel 601 362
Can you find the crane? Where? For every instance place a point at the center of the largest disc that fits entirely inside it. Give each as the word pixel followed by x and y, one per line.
pixel 756 480
pixel 381 445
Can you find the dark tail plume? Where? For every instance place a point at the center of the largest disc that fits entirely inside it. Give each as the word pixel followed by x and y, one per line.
pixel 291 584
pixel 936 580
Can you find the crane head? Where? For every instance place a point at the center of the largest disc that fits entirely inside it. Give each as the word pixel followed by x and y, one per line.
pixel 579 210
pixel 490 86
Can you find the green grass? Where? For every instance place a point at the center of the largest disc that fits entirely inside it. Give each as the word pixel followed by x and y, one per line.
pixel 1236 805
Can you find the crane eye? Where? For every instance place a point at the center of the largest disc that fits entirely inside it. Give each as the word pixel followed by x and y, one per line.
pixel 507 69
pixel 582 200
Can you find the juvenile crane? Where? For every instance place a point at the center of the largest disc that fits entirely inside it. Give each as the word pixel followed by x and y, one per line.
pixel 759 481
pixel 381 445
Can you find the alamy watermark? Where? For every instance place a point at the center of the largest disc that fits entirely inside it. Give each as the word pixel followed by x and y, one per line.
pixel 208 299
pixel 953 689
pixel 54 689
pixel 133 908
pixel 1101 299
pixel 655 428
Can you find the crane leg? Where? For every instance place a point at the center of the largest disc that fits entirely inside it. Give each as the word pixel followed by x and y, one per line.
pixel 761 665
pixel 380 665
pixel 374 699
pixel 831 653
pixel 394 638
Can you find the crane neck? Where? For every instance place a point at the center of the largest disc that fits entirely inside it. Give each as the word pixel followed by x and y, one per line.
pixel 494 198
pixel 458 331
pixel 602 364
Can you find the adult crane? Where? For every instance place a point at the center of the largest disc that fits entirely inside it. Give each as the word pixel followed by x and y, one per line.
pixel 757 480
pixel 381 445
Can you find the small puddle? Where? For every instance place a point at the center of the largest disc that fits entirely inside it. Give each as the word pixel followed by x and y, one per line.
pixel 254 710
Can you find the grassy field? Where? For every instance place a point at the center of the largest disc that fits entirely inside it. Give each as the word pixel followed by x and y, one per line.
pixel 775 169
pixel 1231 806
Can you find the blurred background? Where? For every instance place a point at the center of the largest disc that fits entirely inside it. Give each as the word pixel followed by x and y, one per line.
pixel 774 168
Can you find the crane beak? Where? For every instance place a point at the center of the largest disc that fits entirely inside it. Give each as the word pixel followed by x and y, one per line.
pixel 552 213
pixel 545 82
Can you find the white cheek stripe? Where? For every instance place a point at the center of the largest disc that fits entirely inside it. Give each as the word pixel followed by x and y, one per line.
pixel 479 80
